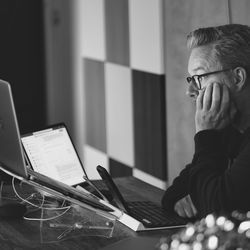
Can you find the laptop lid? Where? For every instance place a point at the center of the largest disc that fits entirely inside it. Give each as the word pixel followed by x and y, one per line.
pixel 11 154
pixel 51 152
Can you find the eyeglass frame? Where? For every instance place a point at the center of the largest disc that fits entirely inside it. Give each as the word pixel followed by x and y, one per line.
pixel 192 80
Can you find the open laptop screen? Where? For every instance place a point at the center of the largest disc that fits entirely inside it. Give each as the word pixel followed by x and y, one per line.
pixel 52 153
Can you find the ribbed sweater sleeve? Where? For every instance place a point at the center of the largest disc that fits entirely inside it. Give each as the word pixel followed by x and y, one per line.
pixel 177 190
pixel 207 142
pixel 213 186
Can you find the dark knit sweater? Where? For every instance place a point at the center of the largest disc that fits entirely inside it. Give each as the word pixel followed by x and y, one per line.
pixel 218 179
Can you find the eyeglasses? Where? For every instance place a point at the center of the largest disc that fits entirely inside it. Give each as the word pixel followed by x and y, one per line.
pixel 196 79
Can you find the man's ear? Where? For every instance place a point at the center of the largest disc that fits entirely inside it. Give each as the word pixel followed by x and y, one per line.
pixel 240 75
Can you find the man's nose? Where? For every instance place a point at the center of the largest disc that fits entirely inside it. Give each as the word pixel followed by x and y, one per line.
pixel 192 91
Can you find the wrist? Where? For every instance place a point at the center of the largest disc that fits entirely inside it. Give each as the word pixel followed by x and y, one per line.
pixel 209 140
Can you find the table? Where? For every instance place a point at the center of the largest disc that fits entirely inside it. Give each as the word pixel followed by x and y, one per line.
pixel 24 235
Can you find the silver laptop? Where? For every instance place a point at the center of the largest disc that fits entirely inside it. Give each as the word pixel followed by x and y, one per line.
pixel 11 155
pixel 12 160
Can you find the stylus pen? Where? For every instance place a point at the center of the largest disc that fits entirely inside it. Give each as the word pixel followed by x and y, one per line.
pixel 81 226
pixel 96 189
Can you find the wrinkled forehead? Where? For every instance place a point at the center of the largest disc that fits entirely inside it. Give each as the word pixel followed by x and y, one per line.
pixel 202 59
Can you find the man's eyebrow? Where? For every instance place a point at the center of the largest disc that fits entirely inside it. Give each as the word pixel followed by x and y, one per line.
pixel 198 68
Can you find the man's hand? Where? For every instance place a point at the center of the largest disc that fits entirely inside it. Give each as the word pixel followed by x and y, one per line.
pixel 214 110
pixel 185 207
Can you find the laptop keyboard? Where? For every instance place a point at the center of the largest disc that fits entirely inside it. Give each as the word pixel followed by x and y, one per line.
pixel 152 215
pixel 149 213
pixel 100 185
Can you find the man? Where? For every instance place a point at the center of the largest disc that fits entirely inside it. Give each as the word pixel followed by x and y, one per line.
pixel 218 178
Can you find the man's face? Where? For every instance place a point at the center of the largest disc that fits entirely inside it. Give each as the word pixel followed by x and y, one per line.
pixel 201 62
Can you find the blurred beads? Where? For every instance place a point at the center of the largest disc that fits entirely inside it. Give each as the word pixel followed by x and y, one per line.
pixel 212 242
pixel 248 214
pixel 228 225
pixel 220 221
pixel 248 233
pixel 197 246
pixel 200 237
pixel 210 220
pixel 164 246
pixel 190 231
pixel 212 233
pixel 244 226
pixel 175 244
pixel 184 246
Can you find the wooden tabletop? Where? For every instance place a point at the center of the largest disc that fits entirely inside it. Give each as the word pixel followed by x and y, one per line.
pixel 23 234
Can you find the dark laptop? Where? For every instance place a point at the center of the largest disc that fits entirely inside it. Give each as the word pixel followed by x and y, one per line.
pixel 151 215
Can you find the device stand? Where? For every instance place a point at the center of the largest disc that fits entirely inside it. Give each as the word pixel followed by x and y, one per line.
pixel 4 178
pixel 5 203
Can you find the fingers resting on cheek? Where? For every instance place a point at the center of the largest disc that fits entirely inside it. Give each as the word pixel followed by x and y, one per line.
pixel 207 99
pixel 199 100
pixel 225 99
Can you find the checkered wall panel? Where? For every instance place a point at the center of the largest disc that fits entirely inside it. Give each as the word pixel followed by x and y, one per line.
pixel 119 113
pixel 124 89
pixel 93 16
pixel 95 104
pixel 146 36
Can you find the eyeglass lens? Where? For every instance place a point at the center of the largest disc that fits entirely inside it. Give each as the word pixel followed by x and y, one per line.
pixel 194 80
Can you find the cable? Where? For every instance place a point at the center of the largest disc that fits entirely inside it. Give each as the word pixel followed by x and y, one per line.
pixel 32 204
pixel 51 218
pixel 67 208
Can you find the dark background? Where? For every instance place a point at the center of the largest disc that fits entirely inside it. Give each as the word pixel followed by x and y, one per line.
pixel 22 59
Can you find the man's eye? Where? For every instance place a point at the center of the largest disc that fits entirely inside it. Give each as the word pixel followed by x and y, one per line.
pixel 201 78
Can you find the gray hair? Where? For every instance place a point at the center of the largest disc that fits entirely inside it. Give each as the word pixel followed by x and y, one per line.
pixel 230 44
